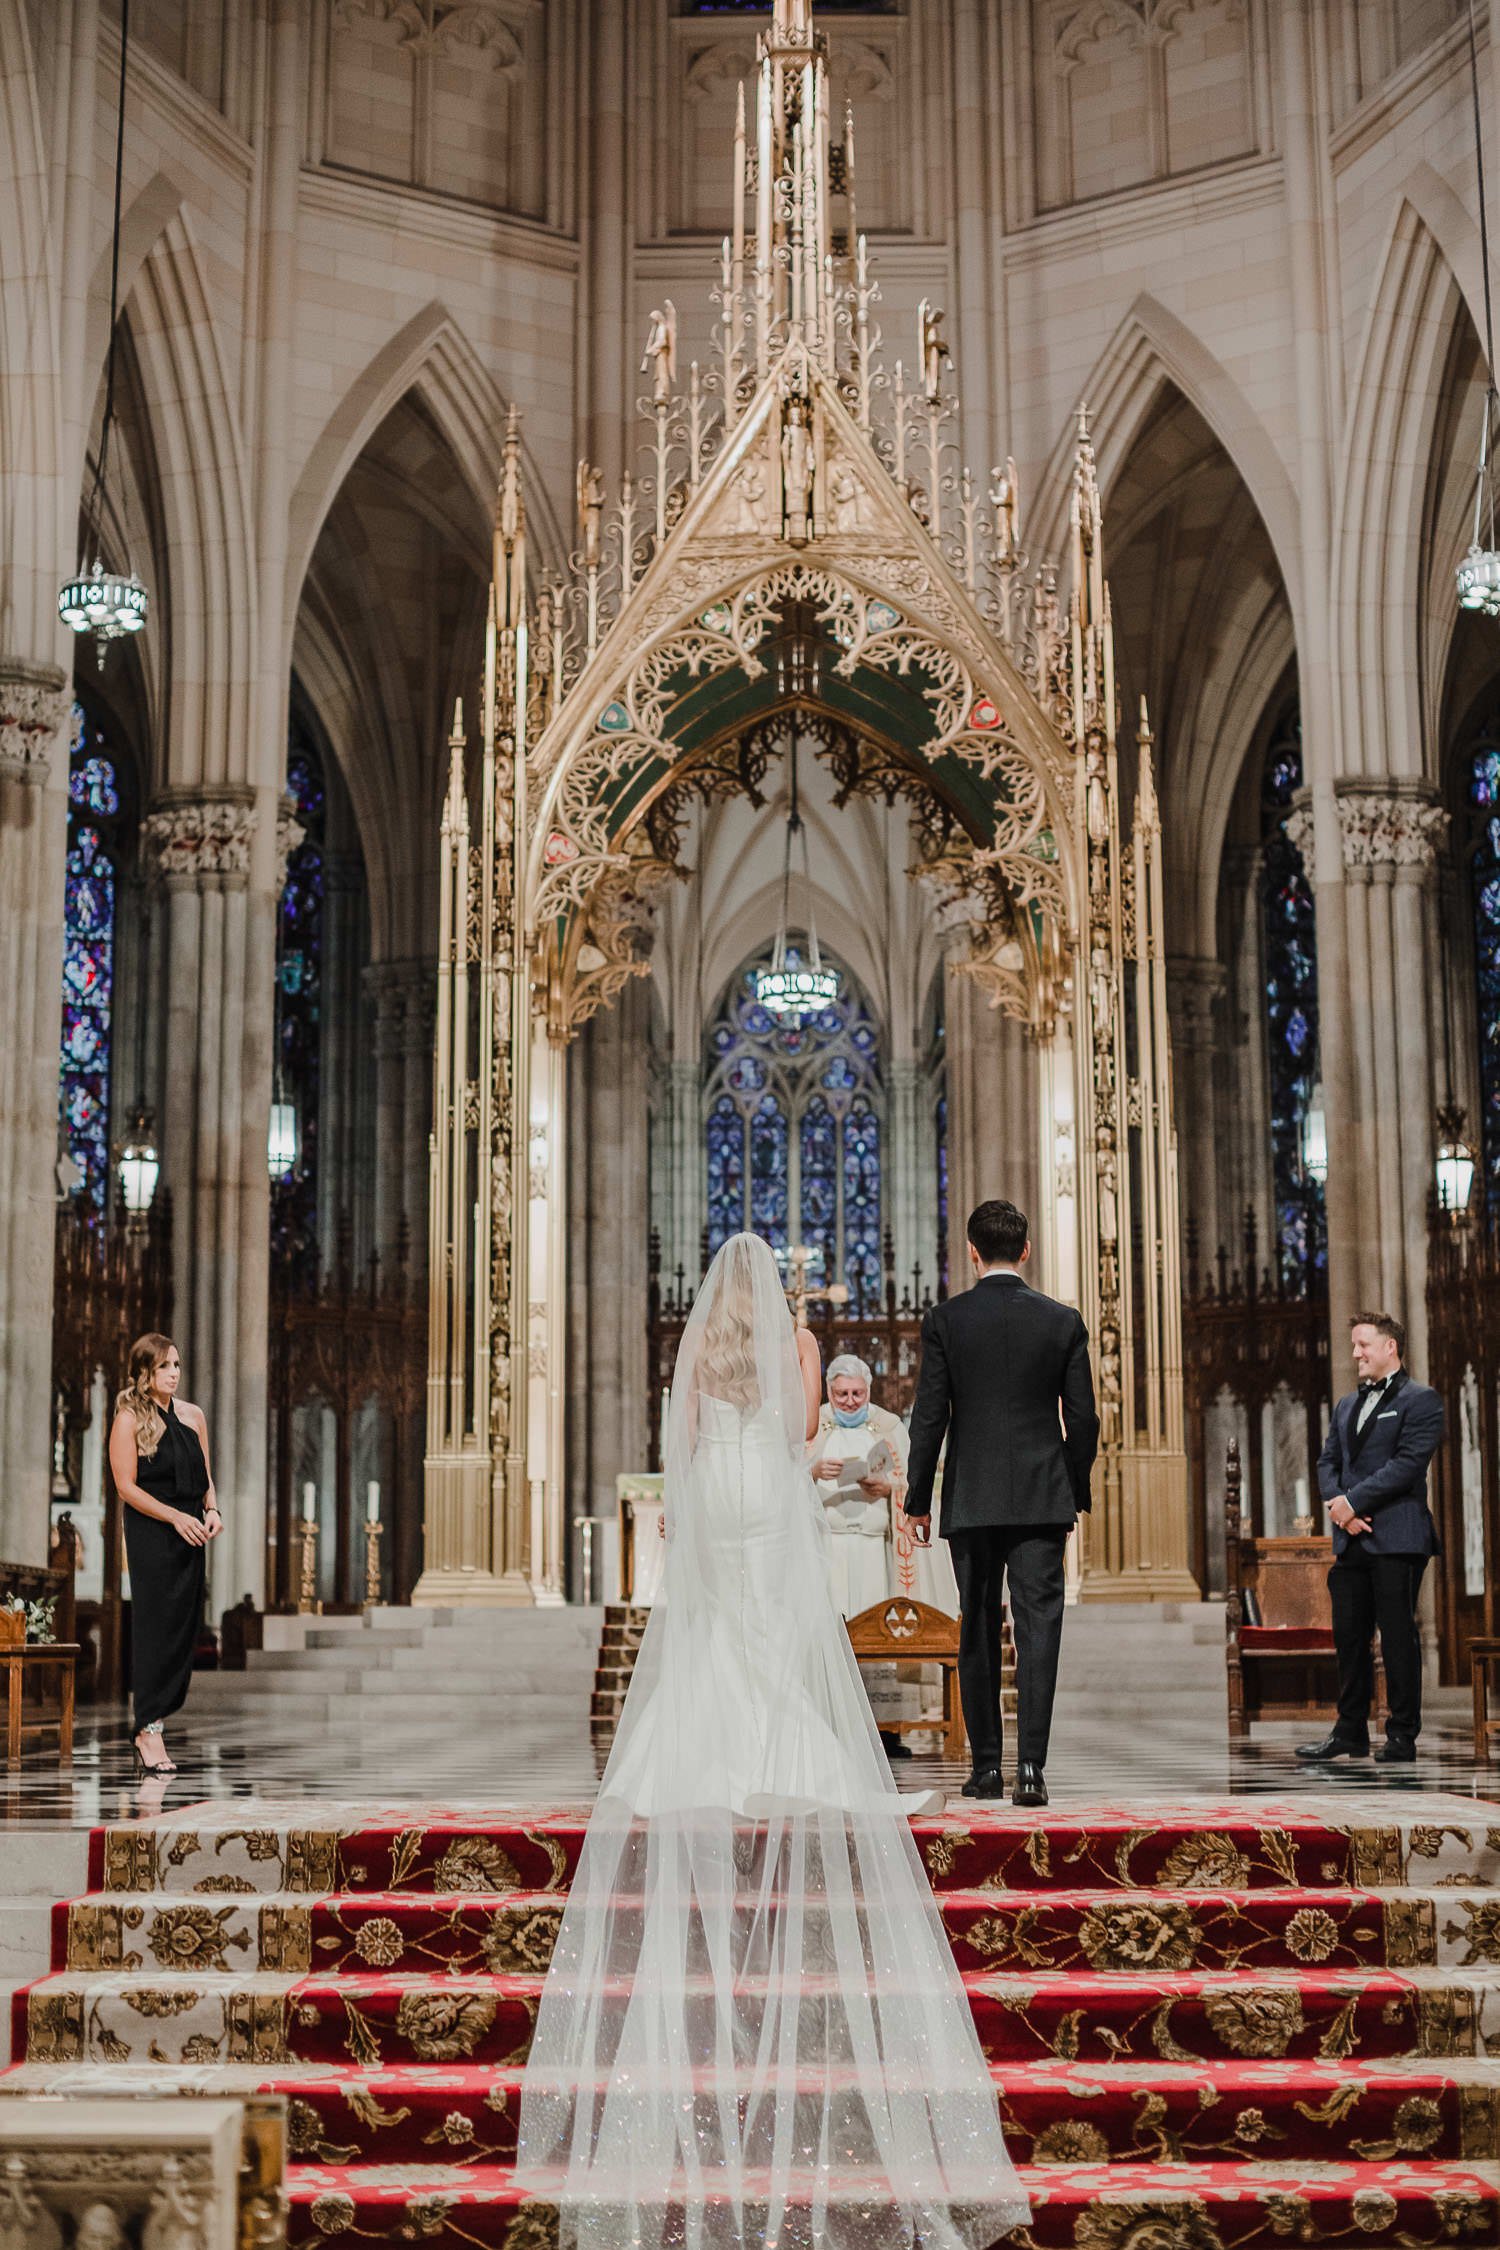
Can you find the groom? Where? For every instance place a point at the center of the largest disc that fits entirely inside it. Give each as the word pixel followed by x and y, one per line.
pixel 1005 1375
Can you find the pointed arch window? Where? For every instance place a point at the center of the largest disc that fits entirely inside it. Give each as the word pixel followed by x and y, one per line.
pixel 299 997
pixel 1289 934
pixel 793 1123
pixel 90 912
pixel 1482 794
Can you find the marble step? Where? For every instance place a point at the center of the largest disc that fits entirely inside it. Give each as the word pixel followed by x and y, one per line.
pixel 383 2019
pixel 1042 1933
pixel 1055 2113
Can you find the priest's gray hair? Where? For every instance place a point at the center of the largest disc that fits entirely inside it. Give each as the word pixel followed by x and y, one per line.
pixel 847 1364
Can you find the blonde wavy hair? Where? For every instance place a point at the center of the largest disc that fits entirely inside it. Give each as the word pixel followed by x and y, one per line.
pixel 726 1366
pixel 138 1399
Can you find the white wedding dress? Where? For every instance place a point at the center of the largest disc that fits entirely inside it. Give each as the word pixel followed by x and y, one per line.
pixel 753 2035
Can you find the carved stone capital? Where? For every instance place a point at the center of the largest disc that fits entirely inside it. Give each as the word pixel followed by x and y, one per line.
pixel 191 837
pixel 1390 827
pixel 34 703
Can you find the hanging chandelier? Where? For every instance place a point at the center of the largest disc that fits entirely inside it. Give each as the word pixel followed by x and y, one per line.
pixel 1479 572
pixel 96 600
pixel 790 985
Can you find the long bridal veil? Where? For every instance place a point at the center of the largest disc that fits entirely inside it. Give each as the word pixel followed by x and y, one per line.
pixel 752 2032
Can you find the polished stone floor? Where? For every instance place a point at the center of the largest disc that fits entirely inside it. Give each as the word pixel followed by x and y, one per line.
pixel 1173 1751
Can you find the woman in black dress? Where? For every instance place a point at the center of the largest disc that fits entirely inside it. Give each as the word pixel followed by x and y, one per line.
pixel 158 1451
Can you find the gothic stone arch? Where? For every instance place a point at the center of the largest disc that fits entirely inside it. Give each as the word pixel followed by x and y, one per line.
pixel 550 901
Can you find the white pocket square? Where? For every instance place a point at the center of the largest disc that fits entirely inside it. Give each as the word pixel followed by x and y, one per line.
pixel 1389 1415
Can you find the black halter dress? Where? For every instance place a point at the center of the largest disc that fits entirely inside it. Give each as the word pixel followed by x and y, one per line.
pixel 167 1576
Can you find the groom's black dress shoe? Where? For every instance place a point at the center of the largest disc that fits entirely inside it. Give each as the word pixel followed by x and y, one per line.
pixel 989 1781
pixel 892 1744
pixel 1030 1788
pixel 1396 1751
pixel 1314 1753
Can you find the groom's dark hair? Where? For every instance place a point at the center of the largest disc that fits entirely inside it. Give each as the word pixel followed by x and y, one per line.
pixel 998 1232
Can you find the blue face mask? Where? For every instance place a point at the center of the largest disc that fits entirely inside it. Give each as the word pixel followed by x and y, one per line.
pixel 852 1420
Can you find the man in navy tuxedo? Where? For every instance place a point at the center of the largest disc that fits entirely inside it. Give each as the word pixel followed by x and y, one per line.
pixel 1372 1474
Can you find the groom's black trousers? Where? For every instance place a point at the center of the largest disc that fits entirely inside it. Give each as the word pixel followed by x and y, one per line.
pixel 1030 1556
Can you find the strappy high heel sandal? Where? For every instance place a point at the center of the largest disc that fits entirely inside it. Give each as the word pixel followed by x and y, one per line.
pixel 143 1763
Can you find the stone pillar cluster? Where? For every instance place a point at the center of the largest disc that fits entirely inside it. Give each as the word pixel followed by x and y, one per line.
pixel 34 705
pixel 215 1095
pixel 403 997
pixel 607 1407
pixel 994 1118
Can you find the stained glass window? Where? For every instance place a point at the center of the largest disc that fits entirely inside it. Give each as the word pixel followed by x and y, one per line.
pixel 862 1267
pixel 1291 973
pixel 299 981
pixel 784 1154
pixel 1483 794
pixel 90 903
pixel 820 1187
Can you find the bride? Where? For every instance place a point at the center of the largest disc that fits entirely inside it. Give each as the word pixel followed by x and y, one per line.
pixel 752 2035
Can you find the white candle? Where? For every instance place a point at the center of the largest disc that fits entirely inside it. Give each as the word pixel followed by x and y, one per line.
pixel 309 1501
pixel 372 1501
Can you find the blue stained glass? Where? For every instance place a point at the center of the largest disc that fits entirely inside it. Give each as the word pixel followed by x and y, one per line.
pixel 862 1265
pixel 820 1184
pixel 1484 776
pixel 92 786
pixel 776 1098
pixel 299 981
pixel 1291 985
pixel 1484 872
pixel 768 1172
pixel 90 896
pixel 726 1172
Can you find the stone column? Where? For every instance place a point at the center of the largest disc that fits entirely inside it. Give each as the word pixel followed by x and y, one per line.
pixel 907 1157
pixel 220 954
pixel 1390 833
pixel 607 1413
pixel 403 994
pixel 1245 1181
pixel 342 1184
pixel 994 1116
pixel 680 1148
pixel 34 705
pixel 1195 993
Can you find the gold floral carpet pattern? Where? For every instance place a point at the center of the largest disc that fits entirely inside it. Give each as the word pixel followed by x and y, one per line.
pixel 1209 2027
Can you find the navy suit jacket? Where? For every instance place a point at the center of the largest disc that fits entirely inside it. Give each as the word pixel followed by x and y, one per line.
pixel 1382 1469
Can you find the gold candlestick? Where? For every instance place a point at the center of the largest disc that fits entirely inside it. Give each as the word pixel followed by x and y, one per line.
pixel 373 1529
pixel 307 1599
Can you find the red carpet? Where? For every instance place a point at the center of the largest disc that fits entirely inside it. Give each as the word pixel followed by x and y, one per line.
pixel 1217 2028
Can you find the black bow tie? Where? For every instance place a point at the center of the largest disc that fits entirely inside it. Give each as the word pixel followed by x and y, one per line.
pixel 1365 1389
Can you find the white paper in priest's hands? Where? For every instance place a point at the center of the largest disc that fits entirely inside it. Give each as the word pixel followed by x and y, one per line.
pixel 844 1499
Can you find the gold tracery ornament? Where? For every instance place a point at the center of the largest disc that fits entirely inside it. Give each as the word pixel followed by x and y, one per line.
pixel 794 487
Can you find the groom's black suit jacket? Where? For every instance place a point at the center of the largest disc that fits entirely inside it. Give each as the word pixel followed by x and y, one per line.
pixel 1005 1375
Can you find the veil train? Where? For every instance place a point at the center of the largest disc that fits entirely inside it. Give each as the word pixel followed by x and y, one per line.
pixel 753 2035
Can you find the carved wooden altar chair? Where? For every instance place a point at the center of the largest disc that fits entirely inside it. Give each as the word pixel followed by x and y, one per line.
pixel 1278 1629
pixel 904 1631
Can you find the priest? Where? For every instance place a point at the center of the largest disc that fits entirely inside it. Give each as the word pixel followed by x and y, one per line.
pixel 860 1511
pixel 859 1467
